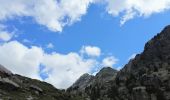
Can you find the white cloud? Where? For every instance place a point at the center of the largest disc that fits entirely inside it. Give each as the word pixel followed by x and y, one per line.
pixel 66 69
pixel 20 59
pixel 55 14
pixel 62 69
pixel 132 8
pixel 91 51
pixel 109 61
pixel 50 46
pixel 51 13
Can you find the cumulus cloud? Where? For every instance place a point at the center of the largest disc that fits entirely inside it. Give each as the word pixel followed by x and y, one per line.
pixel 66 69
pixel 54 14
pixel 92 51
pixel 62 69
pixel 132 8
pixel 21 59
pixel 109 61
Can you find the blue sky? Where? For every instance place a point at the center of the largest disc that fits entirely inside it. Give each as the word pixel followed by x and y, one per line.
pixel 95 28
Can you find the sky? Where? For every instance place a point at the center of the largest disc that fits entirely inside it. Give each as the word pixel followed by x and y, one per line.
pixel 59 40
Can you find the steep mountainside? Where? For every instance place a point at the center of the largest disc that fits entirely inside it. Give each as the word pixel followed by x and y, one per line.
pixel 146 77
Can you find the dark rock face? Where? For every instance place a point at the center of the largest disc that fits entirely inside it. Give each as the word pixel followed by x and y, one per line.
pixel 146 77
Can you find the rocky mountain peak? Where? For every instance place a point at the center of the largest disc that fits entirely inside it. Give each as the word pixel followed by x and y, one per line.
pixel 106 70
pixel 86 75
pixel 83 81
pixel 106 73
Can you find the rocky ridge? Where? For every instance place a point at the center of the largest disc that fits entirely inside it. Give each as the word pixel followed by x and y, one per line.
pixel 16 87
pixel 146 77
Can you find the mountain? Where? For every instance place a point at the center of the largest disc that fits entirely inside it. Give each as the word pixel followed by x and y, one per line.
pixel 16 87
pixel 91 87
pixel 146 77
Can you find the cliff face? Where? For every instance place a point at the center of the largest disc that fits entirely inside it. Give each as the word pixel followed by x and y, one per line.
pixel 146 77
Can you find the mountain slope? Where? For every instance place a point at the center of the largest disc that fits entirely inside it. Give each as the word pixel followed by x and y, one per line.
pixel 93 87
pixel 146 77
pixel 16 87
